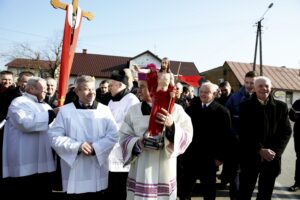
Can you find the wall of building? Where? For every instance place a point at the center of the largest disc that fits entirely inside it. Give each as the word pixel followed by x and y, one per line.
pixel 142 62
pixel 98 80
pixel 17 71
pixel 221 74
pixel 296 96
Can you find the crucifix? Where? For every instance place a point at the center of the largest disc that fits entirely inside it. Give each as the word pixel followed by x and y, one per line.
pixel 57 4
pixel 72 25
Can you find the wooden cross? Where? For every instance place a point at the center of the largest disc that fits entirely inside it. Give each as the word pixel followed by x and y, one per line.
pixel 58 4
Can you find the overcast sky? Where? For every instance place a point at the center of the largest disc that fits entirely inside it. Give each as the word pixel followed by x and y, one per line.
pixel 206 32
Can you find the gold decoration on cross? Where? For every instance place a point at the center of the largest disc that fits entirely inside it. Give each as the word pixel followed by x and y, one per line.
pixel 58 4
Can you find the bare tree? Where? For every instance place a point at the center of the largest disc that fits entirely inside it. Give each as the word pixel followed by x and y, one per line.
pixel 21 50
pixel 47 61
pixel 53 54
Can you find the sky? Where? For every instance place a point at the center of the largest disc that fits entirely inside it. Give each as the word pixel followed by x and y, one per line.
pixel 206 32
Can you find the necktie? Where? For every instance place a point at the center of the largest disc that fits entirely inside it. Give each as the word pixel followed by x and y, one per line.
pixel 204 106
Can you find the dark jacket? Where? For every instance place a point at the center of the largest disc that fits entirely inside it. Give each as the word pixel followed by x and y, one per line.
pixel 211 130
pixel 6 98
pixel 233 105
pixel 263 126
pixel 52 101
pixel 294 115
pixel 103 98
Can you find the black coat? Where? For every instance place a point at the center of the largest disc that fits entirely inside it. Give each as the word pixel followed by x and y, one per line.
pixel 294 115
pixel 211 130
pixel 52 100
pixel 6 98
pixel 263 126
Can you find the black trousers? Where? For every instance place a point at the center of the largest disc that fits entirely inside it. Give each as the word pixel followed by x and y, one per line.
pixel 265 172
pixel 231 167
pixel 205 170
pixel 117 185
pixel 36 186
pixel 297 150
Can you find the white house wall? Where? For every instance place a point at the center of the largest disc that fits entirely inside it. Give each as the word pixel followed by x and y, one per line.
pixel 296 96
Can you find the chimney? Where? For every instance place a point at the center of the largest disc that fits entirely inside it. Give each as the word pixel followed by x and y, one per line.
pixel 84 51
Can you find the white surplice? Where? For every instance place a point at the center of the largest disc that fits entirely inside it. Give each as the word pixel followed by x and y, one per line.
pixel 152 174
pixel 119 109
pixel 72 127
pixel 26 146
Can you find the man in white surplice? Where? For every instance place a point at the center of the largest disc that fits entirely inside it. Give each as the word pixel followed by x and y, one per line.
pixel 121 101
pixel 27 154
pixel 152 173
pixel 83 135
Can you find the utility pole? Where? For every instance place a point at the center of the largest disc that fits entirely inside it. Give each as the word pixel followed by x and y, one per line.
pixel 258 37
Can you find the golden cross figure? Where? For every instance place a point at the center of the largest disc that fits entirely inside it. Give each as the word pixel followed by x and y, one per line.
pixel 61 5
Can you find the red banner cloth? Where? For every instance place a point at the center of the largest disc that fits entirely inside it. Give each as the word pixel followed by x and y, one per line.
pixel 191 80
pixel 68 50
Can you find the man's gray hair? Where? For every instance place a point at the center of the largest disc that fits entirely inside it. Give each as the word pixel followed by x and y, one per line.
pixel 211 86
pixel 178 84
pixel 32 82
pixel 262 78
pixel 84 79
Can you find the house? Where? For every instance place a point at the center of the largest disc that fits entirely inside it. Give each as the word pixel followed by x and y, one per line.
pixel 38 67
pixel 101 66
pixel 285 81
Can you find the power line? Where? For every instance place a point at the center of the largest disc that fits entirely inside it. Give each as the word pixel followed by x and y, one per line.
pixel 21 32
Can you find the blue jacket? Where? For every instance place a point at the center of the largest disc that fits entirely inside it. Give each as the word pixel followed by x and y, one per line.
pixel 233 105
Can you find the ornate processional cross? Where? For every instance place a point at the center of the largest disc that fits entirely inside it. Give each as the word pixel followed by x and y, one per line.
pixel 58 4
pixel 74 16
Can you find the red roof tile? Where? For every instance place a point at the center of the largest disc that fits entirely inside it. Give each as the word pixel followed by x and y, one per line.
pixel 282 78
pixel 102 65
pixel 97 65
pixel 28 63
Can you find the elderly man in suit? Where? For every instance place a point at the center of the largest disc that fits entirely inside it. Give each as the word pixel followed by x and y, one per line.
pixel 211 123
pixel 262 142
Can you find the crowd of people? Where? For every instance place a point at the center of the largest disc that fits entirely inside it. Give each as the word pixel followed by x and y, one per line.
pixel 150 138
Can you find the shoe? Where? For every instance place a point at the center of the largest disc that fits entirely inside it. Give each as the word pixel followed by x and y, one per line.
pixel 294 188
